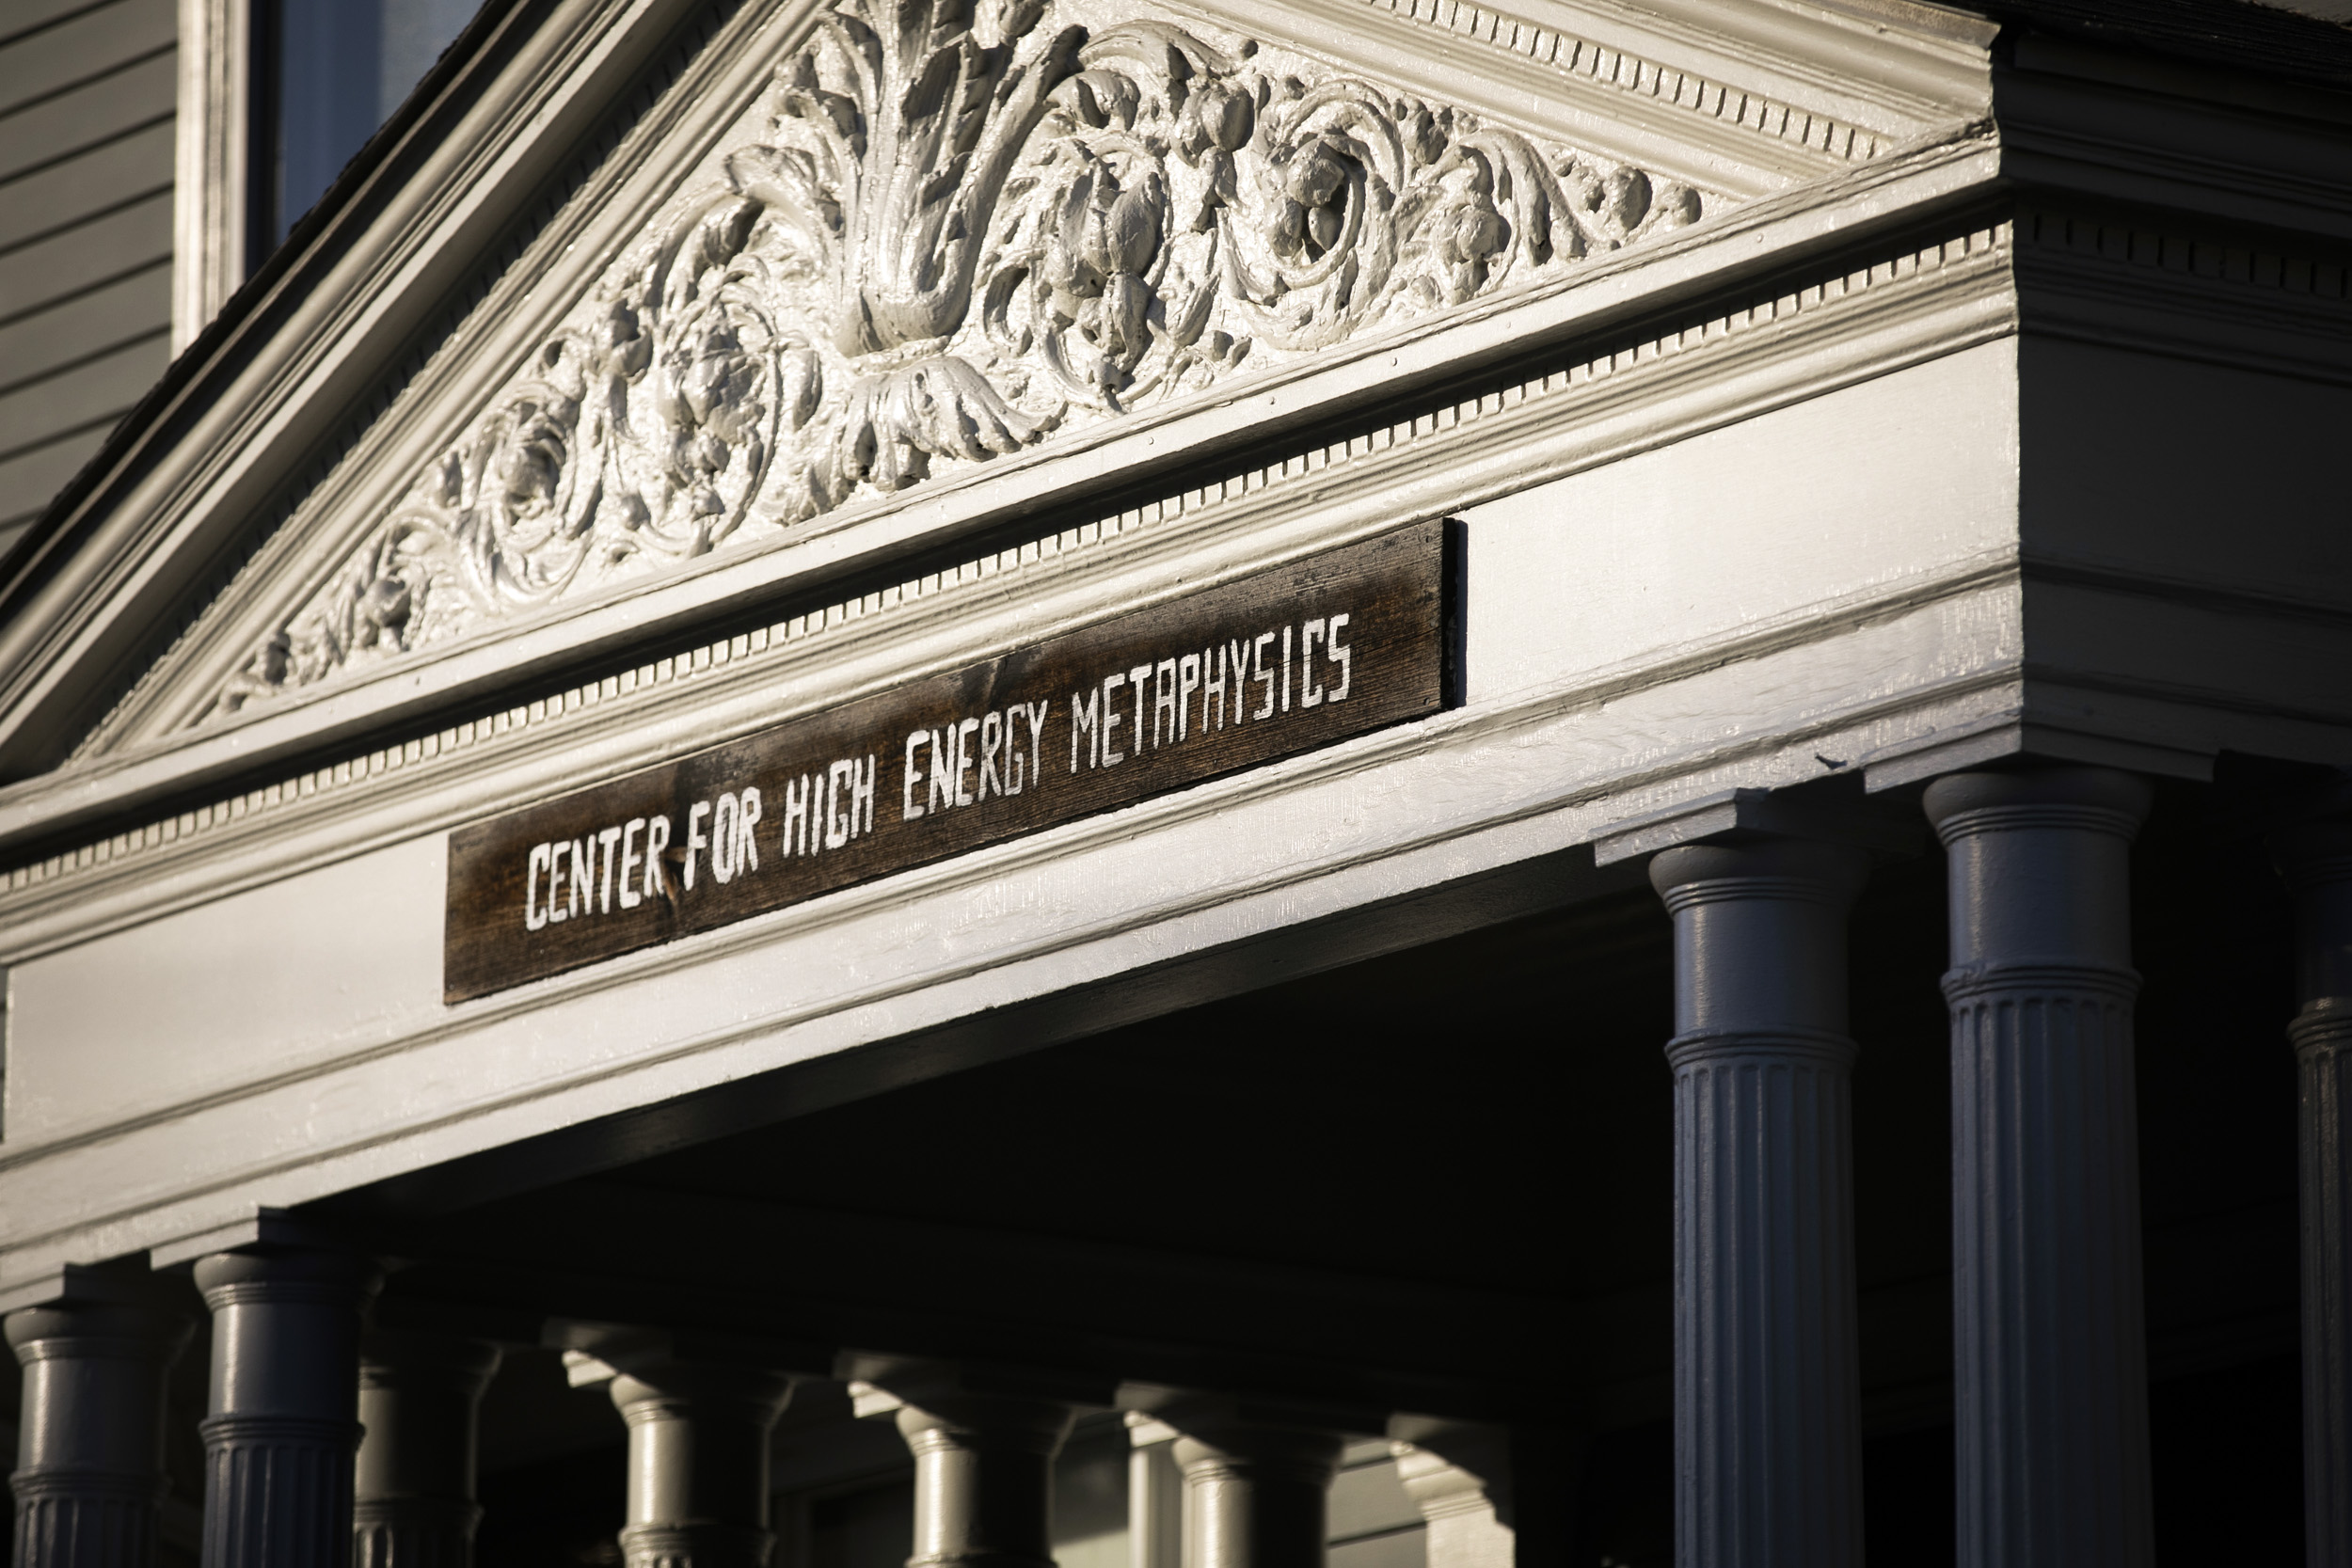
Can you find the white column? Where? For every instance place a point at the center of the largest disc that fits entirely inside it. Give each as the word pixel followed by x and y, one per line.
pixel 284 1423
pixel 89 1475
pixel 983 1475
pixel 2316 860
pixel 2050 1382
pixel 1459 1477
pixel 1767 1417
pixel 414 1501
pixel 1257 1491
pixel 698 1434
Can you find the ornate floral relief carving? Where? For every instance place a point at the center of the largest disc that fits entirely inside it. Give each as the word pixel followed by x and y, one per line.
pixel 951 231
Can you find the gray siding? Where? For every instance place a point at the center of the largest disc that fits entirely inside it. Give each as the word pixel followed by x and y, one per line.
pixel 86 168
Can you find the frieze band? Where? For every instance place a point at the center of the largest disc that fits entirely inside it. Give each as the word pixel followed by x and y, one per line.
pixel 1281 663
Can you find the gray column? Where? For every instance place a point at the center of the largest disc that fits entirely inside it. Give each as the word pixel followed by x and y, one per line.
pixel 984 1476
pixel 698 1437
pixel 283 1425
pixel 414 1501
pixel 1766 1441
pixel 2050 1380
pixel 2316 860
pixel 89 1473
pixel 1257 1495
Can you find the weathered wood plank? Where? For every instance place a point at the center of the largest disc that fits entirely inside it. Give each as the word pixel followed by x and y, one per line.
pixel 1280 663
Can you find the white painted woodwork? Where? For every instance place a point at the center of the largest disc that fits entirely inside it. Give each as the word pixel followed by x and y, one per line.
pixel 1788 538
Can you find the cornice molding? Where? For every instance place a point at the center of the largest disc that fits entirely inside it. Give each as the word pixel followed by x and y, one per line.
pixel 868 284
pixel 275 384
pixel 1677 273
pixel 1718 371
pixel 2131 280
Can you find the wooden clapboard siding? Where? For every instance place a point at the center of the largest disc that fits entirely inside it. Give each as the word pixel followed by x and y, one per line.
pixel 86 168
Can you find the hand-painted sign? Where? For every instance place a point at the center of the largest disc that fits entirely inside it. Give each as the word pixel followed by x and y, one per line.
pixel 1275 664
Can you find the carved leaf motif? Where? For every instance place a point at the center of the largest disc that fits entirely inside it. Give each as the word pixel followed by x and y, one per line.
pixel 956 227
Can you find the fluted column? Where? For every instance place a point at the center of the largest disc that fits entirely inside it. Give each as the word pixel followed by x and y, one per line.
pixel 2050 1380
pixel 414 1503
pixel 1257 1492
pixel 90 1474
pixel 283 1423
pixel 1766 1441
pixel 698 1435
pixel 2316 860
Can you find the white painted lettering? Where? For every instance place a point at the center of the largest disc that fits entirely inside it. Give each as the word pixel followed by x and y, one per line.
pixel 533 916
pixel 1309 690
pixel 964 759
pixel 1084 719
pixel 862 797
pixel 942 769
pixel 1188 682
pixel 837 777
pixel 1286 669
pixel 631 897
pixel 726 836
pixel 908 809
pixel 656 840
pixel 1140 679
pixel 1344 655
pixel 604 896
pixel 563 852
pixel 747 856
pixel 1213 686
pixel 1166 709
pixel 1111 757
pixel 795 839
pixel 1261 673
pixel 1035 712
pixel 992 742
pixel 694 840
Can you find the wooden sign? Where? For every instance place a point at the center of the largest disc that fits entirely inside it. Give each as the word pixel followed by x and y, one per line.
pixel 1278 663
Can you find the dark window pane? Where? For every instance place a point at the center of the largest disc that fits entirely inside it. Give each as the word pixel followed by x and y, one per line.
pixel 335 70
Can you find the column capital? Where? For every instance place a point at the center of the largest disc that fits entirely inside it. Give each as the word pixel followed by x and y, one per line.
pixel 698 1435
pixel 2102 800
pixel 1759 866
pixel 284 1274
pixel 89 1475
pixel 282 1425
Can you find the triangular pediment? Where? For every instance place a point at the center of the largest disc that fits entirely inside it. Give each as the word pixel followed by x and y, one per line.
pixel 915 238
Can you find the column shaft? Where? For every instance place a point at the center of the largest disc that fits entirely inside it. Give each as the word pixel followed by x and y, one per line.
pixel 2317 863
pixel 1767 1417
pixel 983 1477
pixel 698 1436
pixel 413 1504
pixel 90 1476
pixel 2050 1360
pixel 284 1422
pixel 1256 1495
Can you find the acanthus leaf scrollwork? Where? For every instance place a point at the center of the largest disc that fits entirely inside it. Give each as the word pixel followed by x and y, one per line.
pixel 946 234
